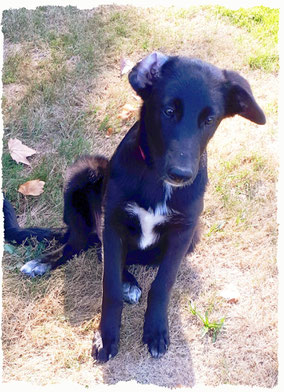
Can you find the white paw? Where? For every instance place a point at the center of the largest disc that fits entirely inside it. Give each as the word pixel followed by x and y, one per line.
pixel 35 268
pixel 131 293
pixel 97 340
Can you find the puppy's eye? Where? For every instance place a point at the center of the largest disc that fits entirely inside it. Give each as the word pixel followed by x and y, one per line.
pixel 169 112
pixel 209 120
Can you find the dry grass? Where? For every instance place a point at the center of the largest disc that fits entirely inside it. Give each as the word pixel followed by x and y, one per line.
pixel 48 323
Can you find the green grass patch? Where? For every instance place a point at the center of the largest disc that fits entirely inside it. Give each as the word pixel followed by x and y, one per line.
pixel 70 149
pixel 268 62
pixel 105 124
pixel 263 24
pixel 21 24
pixel 12 177
pixel 12 68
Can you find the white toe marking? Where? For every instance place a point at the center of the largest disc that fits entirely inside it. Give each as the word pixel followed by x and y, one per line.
pixel 35 268
pixel 154 353
pixel 97 341
pixel 131 293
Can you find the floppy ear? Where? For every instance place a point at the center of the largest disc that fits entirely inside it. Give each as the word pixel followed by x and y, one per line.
pixel 143 75
pixel 240 100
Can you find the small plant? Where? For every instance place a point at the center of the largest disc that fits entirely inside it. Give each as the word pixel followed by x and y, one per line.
pixel 212 328
pixel 105 123
pixel 216 227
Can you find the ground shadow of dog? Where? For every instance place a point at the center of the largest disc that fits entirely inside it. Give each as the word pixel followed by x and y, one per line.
pixel 83 293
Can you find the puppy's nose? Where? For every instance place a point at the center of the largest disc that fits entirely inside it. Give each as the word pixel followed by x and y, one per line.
pixel 180 175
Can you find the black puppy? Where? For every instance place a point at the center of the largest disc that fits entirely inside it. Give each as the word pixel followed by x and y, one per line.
pixel 157 180
pixel 151 192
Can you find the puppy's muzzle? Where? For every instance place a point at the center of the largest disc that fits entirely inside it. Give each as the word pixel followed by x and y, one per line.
pixel 177 176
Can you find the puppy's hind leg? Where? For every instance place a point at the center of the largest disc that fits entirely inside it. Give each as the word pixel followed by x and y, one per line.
pixel 82 213
pixel 42 265
pixel 77 241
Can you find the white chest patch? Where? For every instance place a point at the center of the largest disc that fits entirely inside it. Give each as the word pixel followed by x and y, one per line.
pixel 148 220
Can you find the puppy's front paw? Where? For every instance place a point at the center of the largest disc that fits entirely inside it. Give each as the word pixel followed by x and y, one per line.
pixel 102 352
pixel 157 339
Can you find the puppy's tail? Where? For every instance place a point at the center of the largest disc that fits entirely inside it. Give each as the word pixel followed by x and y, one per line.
pixel 13 232
pixel 83 195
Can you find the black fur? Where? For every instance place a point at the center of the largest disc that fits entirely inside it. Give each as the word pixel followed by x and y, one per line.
pixel 13 232
pixel 151 192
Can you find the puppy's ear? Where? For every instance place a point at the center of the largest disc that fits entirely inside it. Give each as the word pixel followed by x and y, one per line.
pixel 240 100
pixel 144 74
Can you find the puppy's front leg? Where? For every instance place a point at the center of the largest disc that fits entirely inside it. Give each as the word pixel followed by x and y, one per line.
pixel 105 345
pixel 156 330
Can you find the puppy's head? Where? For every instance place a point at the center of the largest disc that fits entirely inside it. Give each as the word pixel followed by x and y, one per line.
pixel 184 101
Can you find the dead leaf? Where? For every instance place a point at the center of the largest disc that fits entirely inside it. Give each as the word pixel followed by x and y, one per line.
pixel 109 132
pixel 32 188
pixel 126 112
pixel 125 66
pixel 19 152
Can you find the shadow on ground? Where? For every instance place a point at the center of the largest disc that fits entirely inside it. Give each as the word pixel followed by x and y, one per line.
pixel 133 362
